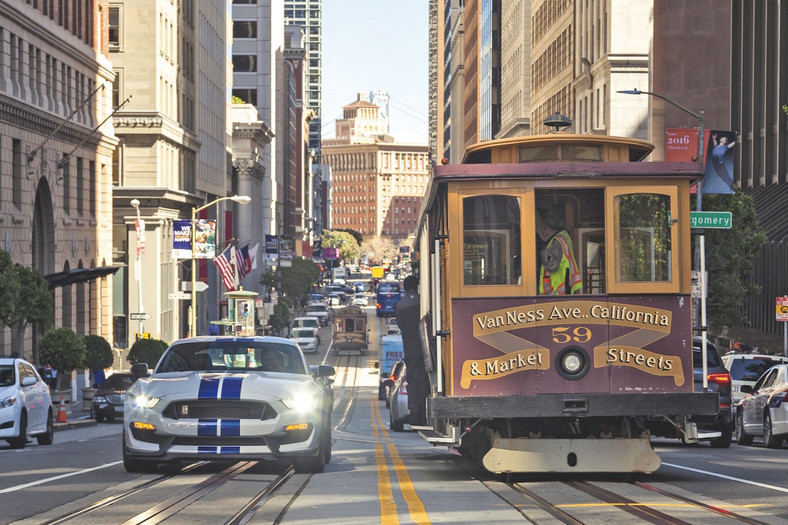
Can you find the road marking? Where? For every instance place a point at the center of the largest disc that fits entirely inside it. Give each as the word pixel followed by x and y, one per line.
pixel 55 478
pixel 730 478
pixel 388 508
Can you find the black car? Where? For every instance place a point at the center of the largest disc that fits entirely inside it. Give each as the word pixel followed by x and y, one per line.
pixel 718 380
pixel 108 400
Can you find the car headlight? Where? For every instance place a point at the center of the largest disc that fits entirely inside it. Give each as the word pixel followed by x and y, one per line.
pixel 7 402
pixel 301 402
pixel 145 401
pixel 99 399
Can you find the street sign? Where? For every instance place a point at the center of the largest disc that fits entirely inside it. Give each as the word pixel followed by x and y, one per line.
pixel 139 316
pixel 782 309
pixel 199 286
pixel 183 296
pixel 698 284
pixel 711 219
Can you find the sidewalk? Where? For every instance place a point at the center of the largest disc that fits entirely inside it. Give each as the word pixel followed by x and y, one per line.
pixel 75 417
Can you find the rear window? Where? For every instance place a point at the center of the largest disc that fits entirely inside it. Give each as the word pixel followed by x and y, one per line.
pixel 712 356
pixel 388 288
pixel 750 369
pixel 316 308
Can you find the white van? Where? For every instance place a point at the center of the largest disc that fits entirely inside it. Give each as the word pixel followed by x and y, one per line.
pixel 308 322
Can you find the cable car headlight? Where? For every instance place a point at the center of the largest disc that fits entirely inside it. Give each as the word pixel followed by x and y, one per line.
pixel 572 362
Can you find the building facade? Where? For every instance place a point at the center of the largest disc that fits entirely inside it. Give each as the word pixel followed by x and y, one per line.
pixel 56 158
pixel 376 184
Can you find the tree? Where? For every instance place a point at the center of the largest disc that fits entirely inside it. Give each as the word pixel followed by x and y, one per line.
pixel 729 257
pixel 353 233
pixel 98 353
pixel 298 279
pixel 24 298
pixel 146 351
pixel 343 241
pixel 381 248
pixel 280 318
pixel 63 349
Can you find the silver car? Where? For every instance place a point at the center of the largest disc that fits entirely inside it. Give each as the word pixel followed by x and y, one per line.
pixel 764 411
pixel 398 404
pixel 25 404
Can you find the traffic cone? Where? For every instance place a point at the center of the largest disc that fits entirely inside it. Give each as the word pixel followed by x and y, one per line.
pixel 61 410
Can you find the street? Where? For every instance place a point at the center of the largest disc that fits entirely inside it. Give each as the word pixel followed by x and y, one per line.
pixel 376 475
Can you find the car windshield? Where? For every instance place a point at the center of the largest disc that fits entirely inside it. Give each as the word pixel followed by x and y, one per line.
pixel 118 382
pixel 712 356
pixel 233 355
pixel 316 308
pixel 750 369
pixel 303 332
pixel 6 375
pixel 306 321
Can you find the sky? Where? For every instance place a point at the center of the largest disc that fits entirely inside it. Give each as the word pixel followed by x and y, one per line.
pixel 377 45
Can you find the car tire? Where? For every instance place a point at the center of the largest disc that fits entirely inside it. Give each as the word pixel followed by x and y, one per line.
pixel 395 426
pixel 769 439
pixel 742 438
pixel 314 464
pixel 381 392
pixel 724 441
pixel 99 419
pixel 136 465
pixel 49 436
pixel 327 439
pixel 21 440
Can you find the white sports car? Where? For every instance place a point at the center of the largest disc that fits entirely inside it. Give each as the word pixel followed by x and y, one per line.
pixel 251 398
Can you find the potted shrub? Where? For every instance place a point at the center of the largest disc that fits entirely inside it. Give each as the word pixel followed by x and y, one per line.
pixel 64 350
pixel 98 356
pixel 146 351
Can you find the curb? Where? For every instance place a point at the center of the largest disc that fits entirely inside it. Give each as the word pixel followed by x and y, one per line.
pixel 77 423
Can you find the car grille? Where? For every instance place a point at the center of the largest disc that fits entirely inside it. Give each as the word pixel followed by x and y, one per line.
pixel 219 409
pixel 115 399
pixel 219 441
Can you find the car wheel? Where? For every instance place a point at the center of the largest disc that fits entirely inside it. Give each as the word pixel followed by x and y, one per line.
pixel 314 464
pixel 327 448
pixel 741 436
pixel 394 425
pixel 49 436
pixel 769 439
pixel 382 392
pixel 21 439
pixel 724 441
pixel 136 465
pixel 99 419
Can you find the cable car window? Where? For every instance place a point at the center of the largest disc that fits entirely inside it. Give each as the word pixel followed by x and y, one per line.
pixel 491 249
pixel 538 153
pixel 581 152
pixel 643 237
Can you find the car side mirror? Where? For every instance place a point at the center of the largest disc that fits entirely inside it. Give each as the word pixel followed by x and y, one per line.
pixel 322 370
pixel 27 381
pixel 747 389
pixel 139 369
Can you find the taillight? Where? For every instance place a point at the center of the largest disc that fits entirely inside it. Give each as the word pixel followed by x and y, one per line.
pixel 720 379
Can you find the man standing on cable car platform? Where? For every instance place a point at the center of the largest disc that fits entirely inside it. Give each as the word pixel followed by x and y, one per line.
pixel 407 312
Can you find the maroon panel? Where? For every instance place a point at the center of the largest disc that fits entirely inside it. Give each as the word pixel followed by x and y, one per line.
pixel 512 346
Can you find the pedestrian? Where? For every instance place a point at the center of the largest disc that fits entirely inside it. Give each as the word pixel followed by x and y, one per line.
pixel 408 314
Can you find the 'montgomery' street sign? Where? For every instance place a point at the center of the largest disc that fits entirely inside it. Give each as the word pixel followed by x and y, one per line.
pixel 711 219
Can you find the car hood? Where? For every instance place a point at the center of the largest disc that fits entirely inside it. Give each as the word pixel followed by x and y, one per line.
pixel 224 385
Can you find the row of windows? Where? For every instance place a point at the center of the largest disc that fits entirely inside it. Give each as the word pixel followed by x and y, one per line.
pixel 28 73
pixel 76 16
pixel 547 14
pixel 553 60
pixel 561 102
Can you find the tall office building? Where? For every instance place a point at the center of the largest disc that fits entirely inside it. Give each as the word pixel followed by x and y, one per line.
pixel 308 15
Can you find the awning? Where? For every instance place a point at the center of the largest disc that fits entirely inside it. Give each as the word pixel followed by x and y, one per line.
pixel 78 275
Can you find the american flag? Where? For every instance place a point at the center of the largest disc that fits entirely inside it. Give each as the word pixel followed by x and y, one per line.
pixel 244 262
pixel 225 264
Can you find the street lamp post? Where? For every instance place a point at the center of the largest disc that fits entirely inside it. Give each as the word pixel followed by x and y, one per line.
pixel 700 252
pixel 138 227
pixel 241 199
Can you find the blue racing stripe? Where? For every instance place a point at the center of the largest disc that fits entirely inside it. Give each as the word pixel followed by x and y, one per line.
pixel 206 450
pixel 209 387
pixel 207 427
pixel 231 387
pixel 230 427
pixel 230 450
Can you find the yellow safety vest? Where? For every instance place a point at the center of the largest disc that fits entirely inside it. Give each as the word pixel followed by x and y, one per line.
pixel 553 283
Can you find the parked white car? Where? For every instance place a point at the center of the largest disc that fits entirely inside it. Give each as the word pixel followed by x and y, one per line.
pixel 764 411
pixel 305 338
pixel 25 404
pixel 745 369
pixel 229 398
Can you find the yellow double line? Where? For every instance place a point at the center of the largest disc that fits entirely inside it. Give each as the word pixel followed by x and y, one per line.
pixel 388 507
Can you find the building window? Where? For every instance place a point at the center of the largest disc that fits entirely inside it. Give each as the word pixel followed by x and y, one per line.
pixel 114 28
pixel 245 29
pixel 249 96
pixel 244 1
pixel 18 170
pixel 66 184
pixel 244 63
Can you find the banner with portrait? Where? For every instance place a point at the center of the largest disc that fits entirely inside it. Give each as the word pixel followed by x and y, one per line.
pixel 718 175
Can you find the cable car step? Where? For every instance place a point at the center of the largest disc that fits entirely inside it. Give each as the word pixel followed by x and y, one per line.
pixel 429 435
pixel 709 435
